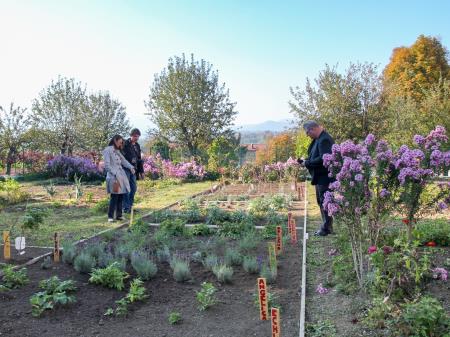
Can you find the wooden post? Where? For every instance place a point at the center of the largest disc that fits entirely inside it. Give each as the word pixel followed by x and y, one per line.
pixel 289 225
pixel 275 315
pixel 263 305
pixel 6 245
pixel 56 250
pixel 279 241
pixel 293 232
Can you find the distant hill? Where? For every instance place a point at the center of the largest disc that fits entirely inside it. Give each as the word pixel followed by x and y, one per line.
pixel 258 133
pixel 272 126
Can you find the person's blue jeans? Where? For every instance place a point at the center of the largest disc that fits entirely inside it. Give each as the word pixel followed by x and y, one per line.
pixel 128 198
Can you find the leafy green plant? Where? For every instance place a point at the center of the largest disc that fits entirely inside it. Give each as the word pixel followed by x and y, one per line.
pixel 206 296
pixel 96 249
pixel 110 277
pixel 14 279
pixel 54 292
pixel 191 210
pixel 174 227
pixel 215 215
pixel 174 317
pixel 143 266
pixel 422 318
pixel 69 252
pixel 84 263
pixel 210 261
pixel 272 299
pixel 232 230
pixel 201 230
pixel 101 206
pixel 250 264
pixel 34 217
pixel 181 270
pixel 50 189
pixel 89 197
pixel 78 187
pixel 223 273
pixel 137 292
pixel 232 257
pixel 324 328
pixel 11 193
pixel 436 230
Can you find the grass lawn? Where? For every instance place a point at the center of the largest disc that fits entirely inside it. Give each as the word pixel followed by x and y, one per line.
pixel 78 219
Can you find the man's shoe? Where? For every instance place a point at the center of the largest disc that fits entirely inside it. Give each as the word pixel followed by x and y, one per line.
pixel 110 220
pixel 321 233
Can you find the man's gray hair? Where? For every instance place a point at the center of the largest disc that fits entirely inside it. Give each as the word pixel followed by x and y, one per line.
pixel 308 125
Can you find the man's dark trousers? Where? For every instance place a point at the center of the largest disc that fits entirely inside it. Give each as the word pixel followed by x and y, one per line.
pixel 128 198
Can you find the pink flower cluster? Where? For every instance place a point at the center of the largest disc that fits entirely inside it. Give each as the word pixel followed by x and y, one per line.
pixel 440 273
pixel 280 166
pixel 158 167
pixel 322 290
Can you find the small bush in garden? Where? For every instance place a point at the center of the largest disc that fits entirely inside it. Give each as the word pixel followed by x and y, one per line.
pixel 14 279
pixel 124 250
pixel 249 242
pixel 215 215
pixel 231 229
pixel 197 256
pixel 47 263
pixel 137 292
pixel 143 266
pixel 181 270
pixel 10 192
pixel 175 227
pixel 101 206
pixel 34 217
pixel 206 296
pixel 96 249
pixel 174 317
pixel 437 231
pixel 232 257
pixel 67 167
pixel 210 262
pixel 69 253
pixel 163 254
pixel 110 277
pixel 191 210
pixel 223 273
pixel 424 317
pixel 54 292
pixel 201 230
pixel 270 274
pixel 324 328
pixel 84 263
pixel 250 264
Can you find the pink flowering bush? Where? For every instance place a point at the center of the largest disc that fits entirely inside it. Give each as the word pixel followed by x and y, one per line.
pixel 290 169
pixel 156 167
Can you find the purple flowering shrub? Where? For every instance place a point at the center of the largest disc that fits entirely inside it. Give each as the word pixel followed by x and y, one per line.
pixel 67 167
pixel 371 181
pixel 156 167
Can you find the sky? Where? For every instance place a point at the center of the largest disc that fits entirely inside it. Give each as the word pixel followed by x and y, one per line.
pixel 260 48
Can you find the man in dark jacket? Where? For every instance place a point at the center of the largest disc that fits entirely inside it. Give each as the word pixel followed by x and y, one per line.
pixel 320 145
pixel 132 153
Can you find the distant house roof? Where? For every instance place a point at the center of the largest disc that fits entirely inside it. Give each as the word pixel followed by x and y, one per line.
pixel 254 147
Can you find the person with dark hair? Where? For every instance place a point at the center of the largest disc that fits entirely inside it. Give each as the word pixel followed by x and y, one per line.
pixel 321 144
pixel 132 153
pixel 117 183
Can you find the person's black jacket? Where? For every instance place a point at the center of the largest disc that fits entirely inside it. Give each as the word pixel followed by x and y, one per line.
pixel 314 163
pixel 133 155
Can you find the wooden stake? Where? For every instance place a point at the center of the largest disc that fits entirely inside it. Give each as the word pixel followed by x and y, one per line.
pixel 263 305
pixel 279 241
pixel 56 250
pixel 6 245
pixel 275 315
pixel 294 232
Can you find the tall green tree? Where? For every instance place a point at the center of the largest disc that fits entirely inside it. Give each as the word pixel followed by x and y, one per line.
pixel 14 124
pixel 348 104
pixel 59 112
pixel 104 118
pixel 189 105
pixel 223 151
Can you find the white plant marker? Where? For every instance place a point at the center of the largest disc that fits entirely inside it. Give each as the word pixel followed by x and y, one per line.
pixel 20 244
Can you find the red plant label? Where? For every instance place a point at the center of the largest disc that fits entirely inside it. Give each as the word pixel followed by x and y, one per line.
pixel 275 313
pixel 6 245
pixel 293 232
pixel 279 241
pixel 262 291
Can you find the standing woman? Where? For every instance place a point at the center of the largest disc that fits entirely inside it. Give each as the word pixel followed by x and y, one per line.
pixel 117 183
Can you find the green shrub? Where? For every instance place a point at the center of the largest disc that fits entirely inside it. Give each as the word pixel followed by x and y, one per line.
pixel 137 292
pixel 10 192
pixel 143 266
pixel 250 264
pixel 210 262
pixel 206 296
pixel 433 230
pixel 163 254
pixel 223 273
pixel 249 242
pixel 215 215
pixel 270 274
pixel 55 292
pixel 231 229
pixel 201 230
pixel 84 263
pixel 175 227
pixel 174 317
pixel 101 206
pixel 34 217
pixel 232 257
pixel 191 210
pixel 181 270
pixel 69 252
pixel 110 277
pixel 424 317
pixel 14 279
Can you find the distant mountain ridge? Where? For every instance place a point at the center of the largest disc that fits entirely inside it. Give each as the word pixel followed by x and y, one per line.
pixel 272 126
